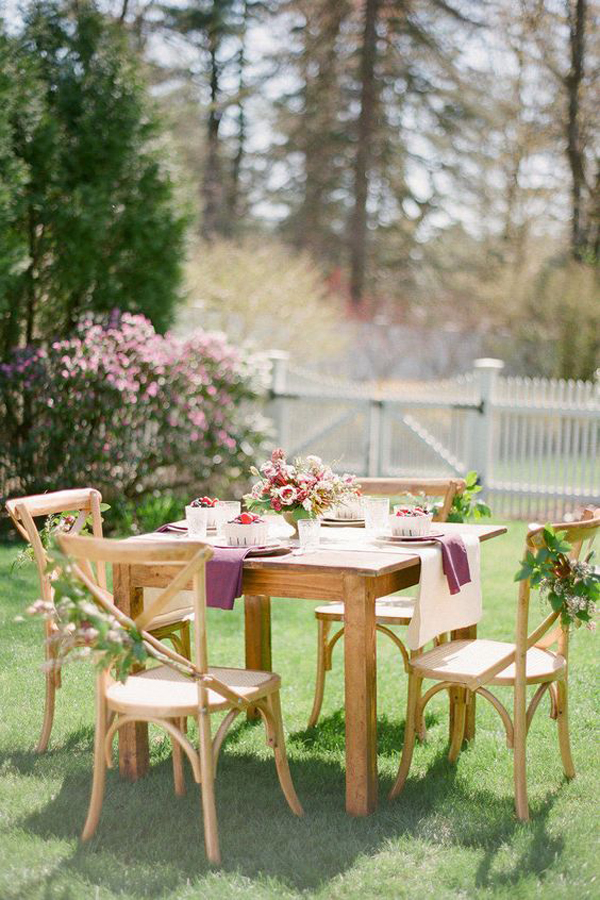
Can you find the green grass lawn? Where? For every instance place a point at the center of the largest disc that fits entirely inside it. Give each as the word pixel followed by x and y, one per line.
pixel 452 833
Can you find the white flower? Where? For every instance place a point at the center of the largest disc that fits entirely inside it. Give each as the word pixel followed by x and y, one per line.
pixel 307 504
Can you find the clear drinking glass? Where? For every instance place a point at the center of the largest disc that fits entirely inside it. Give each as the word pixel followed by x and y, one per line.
pixel 225 511
pixel 309 532
pixel 197 519
pixel 377 510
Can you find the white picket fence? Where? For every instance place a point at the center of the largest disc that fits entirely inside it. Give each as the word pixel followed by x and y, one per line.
pixel 534 441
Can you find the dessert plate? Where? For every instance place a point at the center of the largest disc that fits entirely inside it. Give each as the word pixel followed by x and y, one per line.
pixel 343 523
pixel 274 549
pixel 399 541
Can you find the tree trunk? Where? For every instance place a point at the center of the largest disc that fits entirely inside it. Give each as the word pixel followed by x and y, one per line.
pixel 321 105
pixel 212 185
pixel 235 210
pixel 358 224
pixel 577 12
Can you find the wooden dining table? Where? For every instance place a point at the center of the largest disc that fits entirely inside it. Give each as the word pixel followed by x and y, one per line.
pixel 353 575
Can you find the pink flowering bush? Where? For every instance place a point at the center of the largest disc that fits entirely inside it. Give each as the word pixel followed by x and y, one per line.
pixel 125 409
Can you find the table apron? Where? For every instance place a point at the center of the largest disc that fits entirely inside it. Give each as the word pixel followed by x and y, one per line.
pixel 313 586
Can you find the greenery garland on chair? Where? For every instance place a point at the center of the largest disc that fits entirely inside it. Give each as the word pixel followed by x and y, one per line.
pixel 572 587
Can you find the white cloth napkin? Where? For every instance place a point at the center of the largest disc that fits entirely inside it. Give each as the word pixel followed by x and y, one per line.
pixel 436 609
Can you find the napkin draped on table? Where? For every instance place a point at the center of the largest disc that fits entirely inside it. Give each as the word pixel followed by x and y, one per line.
pixel 455 562
pixel 223 571
pixel 439 608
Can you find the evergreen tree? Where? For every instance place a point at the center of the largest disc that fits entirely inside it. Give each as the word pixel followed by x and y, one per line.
pixel 91 223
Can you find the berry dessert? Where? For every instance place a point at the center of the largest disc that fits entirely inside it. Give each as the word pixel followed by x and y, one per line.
pixel 208 503
pixel 410 521
pixel 246 530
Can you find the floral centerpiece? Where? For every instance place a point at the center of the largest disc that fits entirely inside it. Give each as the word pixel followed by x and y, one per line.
pixel 571 586
pixel 304 489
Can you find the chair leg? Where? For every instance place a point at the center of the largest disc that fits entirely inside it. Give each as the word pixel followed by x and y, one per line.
pixel 459 701
pixel 99 775
pixel 42 744
pixel 414 690
pixel 177 752
pixel 281 760
pixel 186 640
pixel 209 810
pixel 323 635
pixel 563 729
pixel 520 753
pixel 421 729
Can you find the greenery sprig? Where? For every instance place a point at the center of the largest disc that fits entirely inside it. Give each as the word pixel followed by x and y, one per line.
pixel 572 587
pixel 465 506
pixel 82 629
pixel 57 524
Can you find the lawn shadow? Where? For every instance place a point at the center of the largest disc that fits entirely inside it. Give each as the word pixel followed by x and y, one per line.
pixel 330 734
pixel 149 841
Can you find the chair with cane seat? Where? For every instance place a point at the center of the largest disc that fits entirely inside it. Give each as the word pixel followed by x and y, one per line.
pixel 466 667
pixel 84 503
pixel 168 693
pixel 391 610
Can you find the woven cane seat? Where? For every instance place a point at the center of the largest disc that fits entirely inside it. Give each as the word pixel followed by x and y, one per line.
pixel 390 610
pixel 166 692
pixel 462 661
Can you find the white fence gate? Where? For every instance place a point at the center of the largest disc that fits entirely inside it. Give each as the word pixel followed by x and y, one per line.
pixel 534 441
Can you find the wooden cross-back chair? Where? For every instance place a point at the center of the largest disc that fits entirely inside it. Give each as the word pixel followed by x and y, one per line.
pixel 168 693
pixel 470 666
pixel 173 624
pixel 391 610
pixel 23 511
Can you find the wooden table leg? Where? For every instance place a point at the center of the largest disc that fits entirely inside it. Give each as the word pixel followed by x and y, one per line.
pixel 462 634
pixel 360 696
pixel 257 622
pixel 134 752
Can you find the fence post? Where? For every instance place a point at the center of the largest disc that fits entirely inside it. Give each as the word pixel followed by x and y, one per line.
pixel 279 362
pixel 486 372
pixel 375 422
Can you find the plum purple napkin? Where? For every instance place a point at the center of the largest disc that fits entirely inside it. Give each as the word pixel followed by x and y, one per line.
pixel 223 571
pixel 455 563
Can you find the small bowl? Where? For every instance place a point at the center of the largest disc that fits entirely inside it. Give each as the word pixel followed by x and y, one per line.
pixel 410 526
pixel 254 535
pixel 351 508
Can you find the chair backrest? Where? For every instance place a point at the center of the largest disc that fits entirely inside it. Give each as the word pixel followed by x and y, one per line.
pixel 23 511
pixel 181 561
pixel 446 488
pixel 580 534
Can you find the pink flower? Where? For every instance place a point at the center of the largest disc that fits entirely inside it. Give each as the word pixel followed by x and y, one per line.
pixel 288 495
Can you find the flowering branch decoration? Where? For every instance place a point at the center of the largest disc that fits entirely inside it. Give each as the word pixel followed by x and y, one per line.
pixel 82 629
pixel 306 488
pixel 61 523
pixel 572 587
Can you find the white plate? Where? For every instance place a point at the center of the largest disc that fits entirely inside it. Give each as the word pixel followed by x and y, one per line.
pixel 343 523
pixel 390 541
pixel 274 549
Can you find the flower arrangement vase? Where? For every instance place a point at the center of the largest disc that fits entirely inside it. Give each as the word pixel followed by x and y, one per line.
pixel 291 519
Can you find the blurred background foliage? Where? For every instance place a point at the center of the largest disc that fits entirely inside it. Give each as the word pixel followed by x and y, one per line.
pixel 407 163
pixel 404 163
